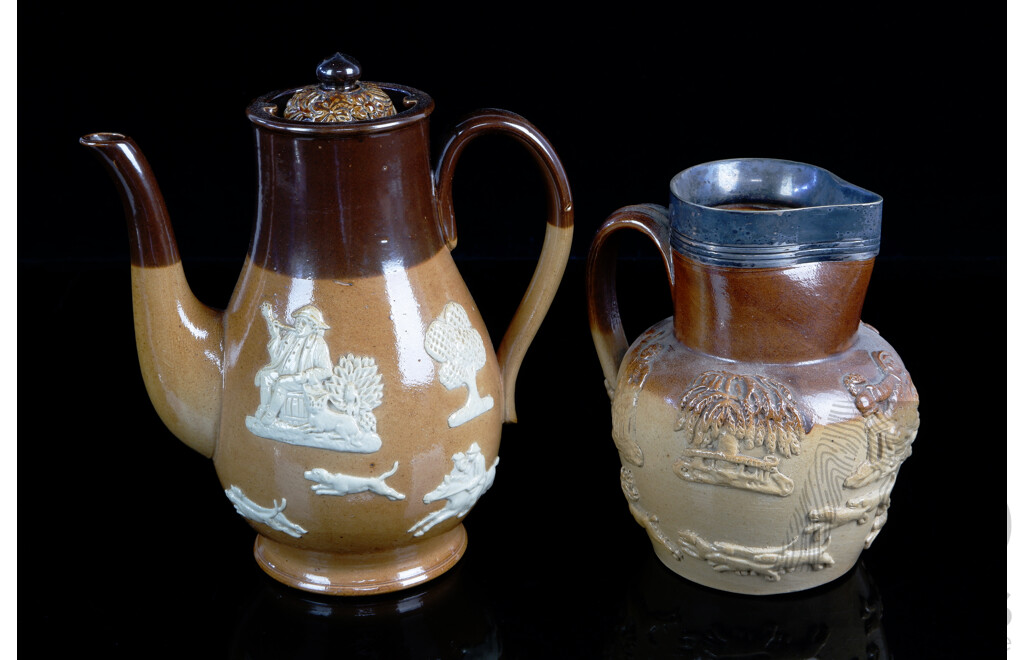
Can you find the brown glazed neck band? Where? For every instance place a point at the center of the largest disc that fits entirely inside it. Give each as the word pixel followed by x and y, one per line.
pixel 344 206
pixel 794 313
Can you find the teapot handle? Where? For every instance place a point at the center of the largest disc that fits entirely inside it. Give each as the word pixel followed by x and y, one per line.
pixel 557 236
pixel 602 301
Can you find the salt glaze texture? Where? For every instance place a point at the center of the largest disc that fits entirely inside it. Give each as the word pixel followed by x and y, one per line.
pixel 761 428
pixel 737 450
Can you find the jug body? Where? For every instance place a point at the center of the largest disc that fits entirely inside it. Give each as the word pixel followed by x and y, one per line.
pixel 761 427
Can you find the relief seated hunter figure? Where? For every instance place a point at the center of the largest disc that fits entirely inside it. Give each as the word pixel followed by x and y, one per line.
pixel 298 356
pixel 304 402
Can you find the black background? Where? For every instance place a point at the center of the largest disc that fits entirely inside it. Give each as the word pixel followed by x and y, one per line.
pixel 126 544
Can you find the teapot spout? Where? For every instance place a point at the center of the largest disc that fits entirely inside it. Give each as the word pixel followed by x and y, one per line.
pixel 179 339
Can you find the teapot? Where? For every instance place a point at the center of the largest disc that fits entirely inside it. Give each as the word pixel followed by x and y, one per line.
pixel 349 395
pixel 761 427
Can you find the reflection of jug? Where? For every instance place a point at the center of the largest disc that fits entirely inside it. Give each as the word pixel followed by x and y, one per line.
pixel 349 396
pixel 666 618
pixel 761 427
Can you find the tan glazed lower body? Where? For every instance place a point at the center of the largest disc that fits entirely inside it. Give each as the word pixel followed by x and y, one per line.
pixel 372 501
pixel 766 509
pixel 720 539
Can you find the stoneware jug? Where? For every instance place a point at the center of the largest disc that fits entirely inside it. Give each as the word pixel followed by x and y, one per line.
pixel 762 426
pixel 349 396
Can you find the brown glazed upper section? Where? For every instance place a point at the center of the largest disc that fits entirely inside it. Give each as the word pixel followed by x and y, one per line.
pixel 152 239
pixel 783 314
pixel 341 200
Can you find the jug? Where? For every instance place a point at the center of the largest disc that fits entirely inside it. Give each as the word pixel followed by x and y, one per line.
pixel 762 426
pixel 349 396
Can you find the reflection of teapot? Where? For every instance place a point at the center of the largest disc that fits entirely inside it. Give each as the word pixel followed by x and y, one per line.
pixel 351 373
pixel 665 617
pixel 441 619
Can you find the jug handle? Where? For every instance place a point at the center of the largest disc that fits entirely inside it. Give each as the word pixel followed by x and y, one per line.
pixel 554 253
pixel 602 300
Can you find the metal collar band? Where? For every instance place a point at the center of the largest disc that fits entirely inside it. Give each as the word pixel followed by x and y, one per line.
pixel 758 212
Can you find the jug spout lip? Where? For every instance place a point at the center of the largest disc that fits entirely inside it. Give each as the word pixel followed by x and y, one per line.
pixel 411 104
pixel 766 212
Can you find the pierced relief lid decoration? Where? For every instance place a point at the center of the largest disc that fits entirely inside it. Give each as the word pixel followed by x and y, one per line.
pixel 340 97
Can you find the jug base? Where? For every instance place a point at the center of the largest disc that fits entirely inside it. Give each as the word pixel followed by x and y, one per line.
pixel 745 583
pixel 360 574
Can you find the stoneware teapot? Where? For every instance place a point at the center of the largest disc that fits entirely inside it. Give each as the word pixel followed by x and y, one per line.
pixel 349 396
pixel 761 427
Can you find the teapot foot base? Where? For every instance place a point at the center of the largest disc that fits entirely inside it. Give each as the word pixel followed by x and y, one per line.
pixel 361 574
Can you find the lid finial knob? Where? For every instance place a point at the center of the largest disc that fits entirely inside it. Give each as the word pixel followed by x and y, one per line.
pixel 340 97
pixel 339 72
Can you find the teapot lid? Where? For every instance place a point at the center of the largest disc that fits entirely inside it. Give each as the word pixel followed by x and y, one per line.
pixel 340 97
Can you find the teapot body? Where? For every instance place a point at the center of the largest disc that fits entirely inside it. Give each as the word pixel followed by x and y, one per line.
pixel 330 441
pixel 349 396
pixel 362 397
pixel 761 428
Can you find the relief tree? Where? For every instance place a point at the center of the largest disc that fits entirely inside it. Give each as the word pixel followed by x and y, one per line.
pixel 721 410
pixel 722 413
pixel 459 348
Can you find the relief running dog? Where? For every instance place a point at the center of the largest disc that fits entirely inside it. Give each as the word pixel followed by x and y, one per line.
pixel 330 483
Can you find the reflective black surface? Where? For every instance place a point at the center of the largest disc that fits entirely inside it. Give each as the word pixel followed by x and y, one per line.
pixel 128 547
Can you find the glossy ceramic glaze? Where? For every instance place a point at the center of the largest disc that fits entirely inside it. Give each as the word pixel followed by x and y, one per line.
pixel 348 395
pixel 762 426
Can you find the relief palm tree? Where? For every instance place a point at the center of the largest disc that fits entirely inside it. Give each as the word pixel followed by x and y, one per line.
pixel 723 413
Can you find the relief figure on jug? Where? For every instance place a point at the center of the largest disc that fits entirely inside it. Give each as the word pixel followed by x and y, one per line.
pixel 888 438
